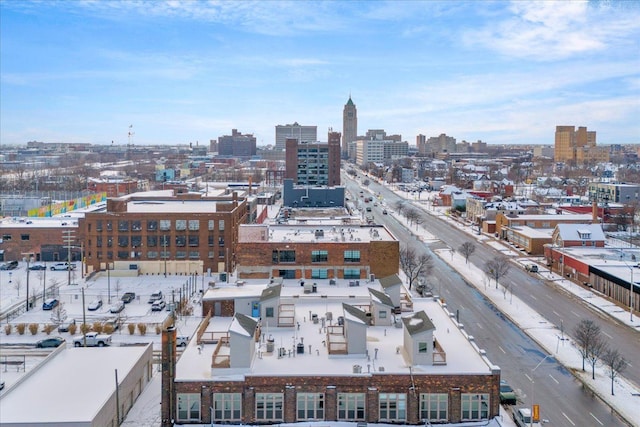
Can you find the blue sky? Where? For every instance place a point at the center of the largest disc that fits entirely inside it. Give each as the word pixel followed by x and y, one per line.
pixel 189 71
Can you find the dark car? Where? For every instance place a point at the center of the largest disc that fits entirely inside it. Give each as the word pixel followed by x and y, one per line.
pixel 507 395
pixel 37 267
pixel 11 265
pixel 50 342
pixel 127 297
pixel 50 304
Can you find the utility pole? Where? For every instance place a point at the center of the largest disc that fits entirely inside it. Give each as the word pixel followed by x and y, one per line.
pixel 68 237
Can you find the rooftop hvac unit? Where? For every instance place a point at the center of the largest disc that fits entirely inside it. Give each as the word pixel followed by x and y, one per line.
pixel 357 369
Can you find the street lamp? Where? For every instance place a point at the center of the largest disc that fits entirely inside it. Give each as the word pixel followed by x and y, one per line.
pixel 532 388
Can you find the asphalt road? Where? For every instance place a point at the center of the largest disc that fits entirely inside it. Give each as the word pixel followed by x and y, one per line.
pixel 563 400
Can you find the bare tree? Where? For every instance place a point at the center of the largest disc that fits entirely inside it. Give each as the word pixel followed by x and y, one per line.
pixel 497 268
pixel 586 333
pixel 400 206
pixel 411 214
pixel 414 264
pixel 467 249
pixel 17 285
pixel 597 349
pixel 615 363
pixel 59 313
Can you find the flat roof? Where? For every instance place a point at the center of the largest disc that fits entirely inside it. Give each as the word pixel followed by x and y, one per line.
pixel 70 386
pixel 461 355
pixel 173 206
pixel 314 233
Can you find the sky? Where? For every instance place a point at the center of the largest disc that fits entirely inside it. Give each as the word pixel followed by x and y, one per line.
pixel 179 72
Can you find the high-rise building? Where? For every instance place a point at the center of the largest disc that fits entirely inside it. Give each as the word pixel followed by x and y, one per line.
pixel 349 126
pixel 314 163
pixel 568 142
pixel 237 144
pixel 421 143
pixel 297 131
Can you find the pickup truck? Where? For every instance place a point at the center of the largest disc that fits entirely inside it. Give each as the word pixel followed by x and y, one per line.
pixel 522 417
pixel 94 339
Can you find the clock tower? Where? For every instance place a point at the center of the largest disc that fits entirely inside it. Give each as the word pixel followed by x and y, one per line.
pixel 349 126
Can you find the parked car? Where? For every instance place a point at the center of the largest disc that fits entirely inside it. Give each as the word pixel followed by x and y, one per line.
pixel 50 304
pixel 531 268
pixel 384 212
pixel 127 297
pixel 94 305
pixel 116 307
pixel 507 395
pixel 37 267
pixel 11 265
pixel 92 339
pixel 115 325
pixel 158 305
pixel 63 266
pixel 522 417
pixel 50 342
pixel 157 295
pixel 64 326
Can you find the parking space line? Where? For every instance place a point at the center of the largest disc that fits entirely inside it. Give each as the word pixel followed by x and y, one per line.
pixel 568 419
pixel 594 417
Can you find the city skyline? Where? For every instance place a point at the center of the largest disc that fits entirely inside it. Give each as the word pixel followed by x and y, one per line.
pixel 188 72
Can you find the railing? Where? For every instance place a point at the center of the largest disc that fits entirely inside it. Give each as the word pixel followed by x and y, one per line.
pixel 221 360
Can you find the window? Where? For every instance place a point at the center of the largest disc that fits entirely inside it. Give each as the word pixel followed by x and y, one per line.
pixel 181 254
pixel 212 223
pixel 165 254
pixel 123 254
pixel 152 241
pixel 210 240
pixel 194 241
pixel 434 406
pixel 136 241
pixel 351 256
pixel 136 225
pixel 382 314
pixel 123 225
pixel 109 241
pixel 152 225
pixel 165 241
pixel 6 237
pixel 123 241
pixel 99 225
pixel 194 255
pixel 181 224
pixel 212 254
pixel 221 225
pixel 165 224
pixel 181 241
pixel 269 406
pixel 221 241
pixel 99 241
pixel 221 253
pixel 188 407
pixel 24 237
pixel 319 256
pixel 286 256
pixel 475 406
pixel 351 406
pixel 393 406
pixel 227 406
pixel 152 254
pixel 423 347
pixel 109 226
pixel 318 273
pixel 109 254
pixel 310 406
pixel 351 273
pixel 268 312
pixel 194 224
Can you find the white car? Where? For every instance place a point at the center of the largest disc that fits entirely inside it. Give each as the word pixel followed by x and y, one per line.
pixel 63 266
pixel 117 307
pixel 94 305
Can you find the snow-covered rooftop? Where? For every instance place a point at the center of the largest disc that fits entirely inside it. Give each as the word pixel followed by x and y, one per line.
pixel 315 233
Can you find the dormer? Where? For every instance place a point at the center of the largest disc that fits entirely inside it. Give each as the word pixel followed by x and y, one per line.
pixel 355 329
pixel 381 308
pixel 418 338
pixel 392 285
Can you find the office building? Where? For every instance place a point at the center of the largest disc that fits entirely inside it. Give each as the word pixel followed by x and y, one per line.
pixel 313 163
pixel 297 131
pixel 349 126
pixel 237 145
pixel 568 141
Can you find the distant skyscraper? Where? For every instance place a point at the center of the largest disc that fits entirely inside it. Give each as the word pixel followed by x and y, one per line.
pixel 570 144
pixel 299 132
pixel 349 126
pixel 237 144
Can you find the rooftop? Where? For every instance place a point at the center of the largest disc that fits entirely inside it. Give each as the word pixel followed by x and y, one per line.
pixel 313 233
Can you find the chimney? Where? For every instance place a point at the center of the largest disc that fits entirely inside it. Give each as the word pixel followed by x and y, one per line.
pixel 168 403
pixel 594 213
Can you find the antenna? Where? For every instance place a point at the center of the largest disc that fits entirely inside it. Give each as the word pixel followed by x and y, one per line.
pixel 130 134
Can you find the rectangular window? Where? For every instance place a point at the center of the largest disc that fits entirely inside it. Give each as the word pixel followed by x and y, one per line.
pixel 268 312
pixel 136 225
pixel 152 241
pixel 152 254
pixel 99 225
pixel 165 254
pixel 382 314
pixel 227 407
pixel 393 407
pixel 123 254
pixel 109 254
pixel 165 224
pixel 434 406
pixel 475 406
pixel 194 224
pixel 210 240
pixel 212 223
pixel 123 225
pixel 211 254
pixel 109 226
pixel 98 241
pixel 181 241
pixel 319 273
pixel 24 237
pixel 423 347
pixel 269 406
pixel 181 224
pixel 351 406
pixel 221 253
pixel 351 273
pixel 188 407
pixel 165 241
pixel 221 241
pixel 310 406
pixel 351 256
pixel 136 241
pixel 194 255
pixel 123 241
pixel 181 254
pixel 319 256
pixel 287 256
pixel 152 225
pixel 221 225
pixel 109 241
pixel 194 241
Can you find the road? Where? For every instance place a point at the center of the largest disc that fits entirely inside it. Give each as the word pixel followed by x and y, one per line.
pixel 563 400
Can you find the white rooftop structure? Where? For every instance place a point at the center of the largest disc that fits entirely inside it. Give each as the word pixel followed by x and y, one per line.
pixel 319 233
